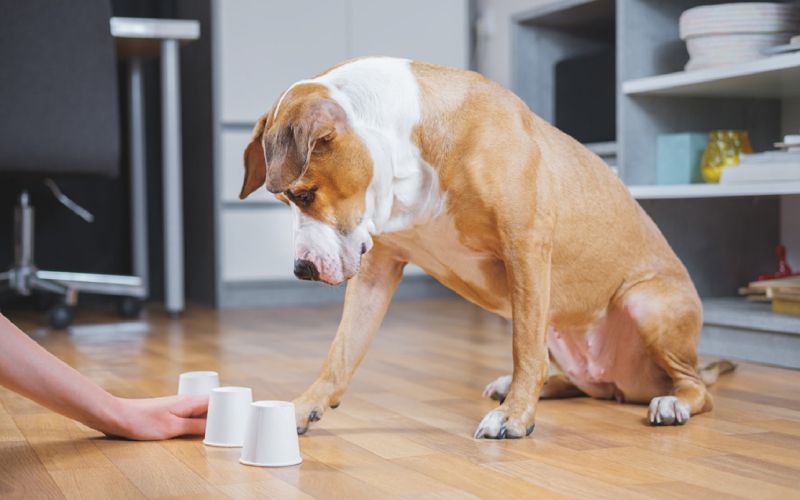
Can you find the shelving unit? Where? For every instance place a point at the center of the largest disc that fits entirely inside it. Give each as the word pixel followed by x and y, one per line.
pixel 725 234
pixel 771 77
pixel 558 32
pixel 746 330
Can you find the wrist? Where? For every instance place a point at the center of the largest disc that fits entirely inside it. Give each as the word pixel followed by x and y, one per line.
pixel 113 417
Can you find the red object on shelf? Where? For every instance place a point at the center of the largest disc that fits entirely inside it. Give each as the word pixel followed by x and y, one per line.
pixel 784 271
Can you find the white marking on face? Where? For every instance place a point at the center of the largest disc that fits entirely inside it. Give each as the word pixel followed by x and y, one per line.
pixel 335 255
pixel 381 98
pixel 283 96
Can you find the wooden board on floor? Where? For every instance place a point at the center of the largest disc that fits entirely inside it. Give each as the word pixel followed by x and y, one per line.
pixel 404 430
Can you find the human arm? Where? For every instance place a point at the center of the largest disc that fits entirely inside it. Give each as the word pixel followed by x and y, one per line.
pixel 28 369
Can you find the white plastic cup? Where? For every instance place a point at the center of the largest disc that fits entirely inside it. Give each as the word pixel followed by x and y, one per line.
pixel 228 409
pixel 271 437
pixel 198 383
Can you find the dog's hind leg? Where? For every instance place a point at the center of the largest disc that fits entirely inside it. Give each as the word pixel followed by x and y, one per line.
pixel 557 386
pixel 669 316
pixel 711 372
pixel 497 389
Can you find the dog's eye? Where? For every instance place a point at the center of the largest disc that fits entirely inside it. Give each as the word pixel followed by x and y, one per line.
pixel 302 198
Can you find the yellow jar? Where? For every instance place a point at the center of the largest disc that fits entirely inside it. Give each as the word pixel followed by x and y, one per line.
pixel 724 147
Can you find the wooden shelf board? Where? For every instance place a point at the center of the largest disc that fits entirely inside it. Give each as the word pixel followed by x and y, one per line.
pixel 771 77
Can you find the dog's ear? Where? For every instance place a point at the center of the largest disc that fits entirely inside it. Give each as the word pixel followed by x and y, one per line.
pixel 289 146
pixel 255 165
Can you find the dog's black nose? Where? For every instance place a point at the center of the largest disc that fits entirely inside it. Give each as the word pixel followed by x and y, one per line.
pixel 306 270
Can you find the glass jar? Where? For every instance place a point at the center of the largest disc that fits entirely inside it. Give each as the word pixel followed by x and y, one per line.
pixel 724 147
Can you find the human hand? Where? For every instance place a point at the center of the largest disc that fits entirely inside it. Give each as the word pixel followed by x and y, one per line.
pixel 159 418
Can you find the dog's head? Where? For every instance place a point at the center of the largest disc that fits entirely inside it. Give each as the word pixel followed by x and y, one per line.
pixel 307 154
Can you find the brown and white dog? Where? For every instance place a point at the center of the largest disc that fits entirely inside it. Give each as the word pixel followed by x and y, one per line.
pixel 387 161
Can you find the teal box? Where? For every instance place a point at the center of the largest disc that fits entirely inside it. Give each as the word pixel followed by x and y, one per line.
pixel 679 156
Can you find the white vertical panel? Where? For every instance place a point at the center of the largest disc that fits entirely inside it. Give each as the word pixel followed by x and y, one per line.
pixel 257 244
pixel 266 45
pixel 434 31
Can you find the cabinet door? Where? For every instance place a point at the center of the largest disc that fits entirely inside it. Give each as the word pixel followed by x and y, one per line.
pixel 257 244
pixel 263 46
pixel 435 31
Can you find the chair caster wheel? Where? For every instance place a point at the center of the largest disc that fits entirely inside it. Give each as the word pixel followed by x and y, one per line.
pixel 60 316
pixel 129 307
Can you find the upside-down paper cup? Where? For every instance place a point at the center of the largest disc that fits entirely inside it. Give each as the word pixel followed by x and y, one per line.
pixel 198 383
pixel 271 437
pixel 228 409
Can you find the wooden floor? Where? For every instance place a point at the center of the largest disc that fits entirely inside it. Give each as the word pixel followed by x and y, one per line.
pixel 404 428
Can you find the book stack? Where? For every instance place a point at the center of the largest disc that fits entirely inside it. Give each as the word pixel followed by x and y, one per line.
pixel 771 166
pixel 783 293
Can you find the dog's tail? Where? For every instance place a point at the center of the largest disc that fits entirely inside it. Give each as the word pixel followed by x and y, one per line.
pixel 711 372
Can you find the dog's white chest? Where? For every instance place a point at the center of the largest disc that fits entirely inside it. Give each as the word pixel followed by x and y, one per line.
pixel 437 248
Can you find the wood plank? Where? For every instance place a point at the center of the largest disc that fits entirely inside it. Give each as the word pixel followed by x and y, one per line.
pixel 95 483
pixel 404 428
pixel 560 480
pixel 22 475
pixel 754 468
pixel 319 480
pixel 154 471
pixel 474 479
pixel 269 488
pixel 678 490
pixel 8 429
pixel 60 443
pixel 361 464
pixel 692 473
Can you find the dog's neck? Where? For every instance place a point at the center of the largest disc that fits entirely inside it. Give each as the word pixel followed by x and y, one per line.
pixel 405 189
pixel 382 100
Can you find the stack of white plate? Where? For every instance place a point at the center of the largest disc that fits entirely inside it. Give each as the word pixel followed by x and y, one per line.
pixel 736 32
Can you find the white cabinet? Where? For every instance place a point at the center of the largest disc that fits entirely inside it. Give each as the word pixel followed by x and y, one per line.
pixel 258 49
pixel 257 244
pixel 266 45
pixel 425 30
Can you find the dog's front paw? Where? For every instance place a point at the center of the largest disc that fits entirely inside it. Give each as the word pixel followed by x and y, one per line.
pixel 307 412
pixel 498 388
pixel 668 410
pixel 501 424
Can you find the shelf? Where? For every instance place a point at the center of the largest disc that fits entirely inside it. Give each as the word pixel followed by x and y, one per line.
pixel 736 328
pixel 602 149
pixel 569 14
pixel 772 77
pixel 713 190
pixel 740 313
